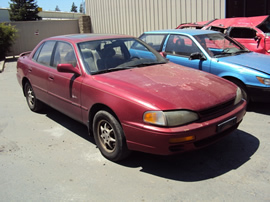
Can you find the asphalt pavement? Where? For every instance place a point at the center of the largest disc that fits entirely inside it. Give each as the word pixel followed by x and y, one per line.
pixel 49 157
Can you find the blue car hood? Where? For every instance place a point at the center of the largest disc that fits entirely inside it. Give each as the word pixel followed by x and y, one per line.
pixel 251 60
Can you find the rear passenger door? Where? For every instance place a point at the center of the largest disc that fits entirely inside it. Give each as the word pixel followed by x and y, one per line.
pixel 64 88
pixel 38 70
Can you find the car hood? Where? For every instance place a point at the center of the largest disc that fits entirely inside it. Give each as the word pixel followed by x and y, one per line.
pixel 239 21
pixel 250 60
pixel 168 86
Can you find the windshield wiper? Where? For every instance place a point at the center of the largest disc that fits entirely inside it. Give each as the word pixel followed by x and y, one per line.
pixel 222 54
pixel 242 51
pixel 147 64
pixel 120 67
pixel 110 70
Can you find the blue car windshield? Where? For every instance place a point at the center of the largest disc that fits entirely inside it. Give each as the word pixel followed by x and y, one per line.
pixel 219 45
pixel 107 55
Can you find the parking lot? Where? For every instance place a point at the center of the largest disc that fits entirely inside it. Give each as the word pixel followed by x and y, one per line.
pixel 49 157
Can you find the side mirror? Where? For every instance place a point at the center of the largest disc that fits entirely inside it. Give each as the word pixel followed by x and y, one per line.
pixel 258 37
pixel 163 54
pixel 68 68
pixel 197 56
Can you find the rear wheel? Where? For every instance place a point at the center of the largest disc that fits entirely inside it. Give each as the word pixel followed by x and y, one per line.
pixel 33 103
pixel 109 136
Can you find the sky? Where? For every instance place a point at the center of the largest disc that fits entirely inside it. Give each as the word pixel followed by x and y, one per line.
pixel 50 5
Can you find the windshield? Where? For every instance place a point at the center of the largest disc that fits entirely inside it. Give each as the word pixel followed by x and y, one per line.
pixel 117 54
pixel 219 45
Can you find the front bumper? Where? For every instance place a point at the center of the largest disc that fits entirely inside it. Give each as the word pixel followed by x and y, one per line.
pixel 259 94
pixel 156 140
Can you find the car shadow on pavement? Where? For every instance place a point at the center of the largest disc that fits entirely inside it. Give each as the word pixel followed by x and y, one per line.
pixel 226 155
pixel 261 108
pixel 69 123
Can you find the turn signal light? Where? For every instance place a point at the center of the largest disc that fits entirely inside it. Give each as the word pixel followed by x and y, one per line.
pixel 181 139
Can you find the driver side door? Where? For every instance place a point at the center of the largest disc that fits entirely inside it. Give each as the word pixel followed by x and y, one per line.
pixel 64 88
pixel 179 48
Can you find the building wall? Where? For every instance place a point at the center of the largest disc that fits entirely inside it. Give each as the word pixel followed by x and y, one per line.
pixel 133 17
pixel 4 15
pixel 30 33
pixel 45 15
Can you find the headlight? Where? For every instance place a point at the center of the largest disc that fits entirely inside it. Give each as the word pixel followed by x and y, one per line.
pixel 238 97
pixel 263 80
pixel 170 118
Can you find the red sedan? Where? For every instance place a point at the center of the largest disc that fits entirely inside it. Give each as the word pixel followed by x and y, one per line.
pixel 129 99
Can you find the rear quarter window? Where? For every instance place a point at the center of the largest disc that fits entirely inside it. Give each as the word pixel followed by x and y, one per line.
pixel 154 40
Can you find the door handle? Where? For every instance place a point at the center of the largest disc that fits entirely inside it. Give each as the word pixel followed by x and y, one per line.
pixel 29 69
pixel 51 77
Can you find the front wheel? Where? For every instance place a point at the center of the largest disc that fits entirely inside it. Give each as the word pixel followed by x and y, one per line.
pixel 109 136
pixel 33 103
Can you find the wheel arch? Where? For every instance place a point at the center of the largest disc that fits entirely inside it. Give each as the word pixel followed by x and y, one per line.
pixel 24 81
pixel 241 85
pixel 94 109
pixel 235 80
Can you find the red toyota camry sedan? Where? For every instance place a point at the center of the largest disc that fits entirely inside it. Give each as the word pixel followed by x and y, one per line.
pixel 129 99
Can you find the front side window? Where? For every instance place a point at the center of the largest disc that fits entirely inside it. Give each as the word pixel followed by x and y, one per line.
pixel 64 54
pixel 44 56
pixel 242 32
pixel 181 45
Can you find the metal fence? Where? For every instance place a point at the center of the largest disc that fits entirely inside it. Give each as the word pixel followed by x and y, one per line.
pixel 136 16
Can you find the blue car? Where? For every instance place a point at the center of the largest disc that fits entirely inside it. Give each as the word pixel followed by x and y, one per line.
pixel 216 53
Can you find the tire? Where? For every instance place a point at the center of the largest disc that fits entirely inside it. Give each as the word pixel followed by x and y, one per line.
pixel 109 136
pixel 33 103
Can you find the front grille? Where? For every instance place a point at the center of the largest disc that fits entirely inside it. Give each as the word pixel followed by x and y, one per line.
pixel 218 110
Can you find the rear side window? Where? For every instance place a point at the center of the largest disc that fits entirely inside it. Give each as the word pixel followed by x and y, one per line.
pixel 154 40
pixel 239 32
pixel 44 56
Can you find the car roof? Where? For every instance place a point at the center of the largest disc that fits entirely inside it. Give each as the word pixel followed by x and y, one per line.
pixel 76 38
pixel 182 31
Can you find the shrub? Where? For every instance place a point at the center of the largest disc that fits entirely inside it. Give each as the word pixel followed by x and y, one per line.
pixel 7 38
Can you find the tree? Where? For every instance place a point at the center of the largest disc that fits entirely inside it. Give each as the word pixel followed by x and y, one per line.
pixel 7 37
pixel 23 10
pixel 81 8
pixel 57 8
pixel 73 8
